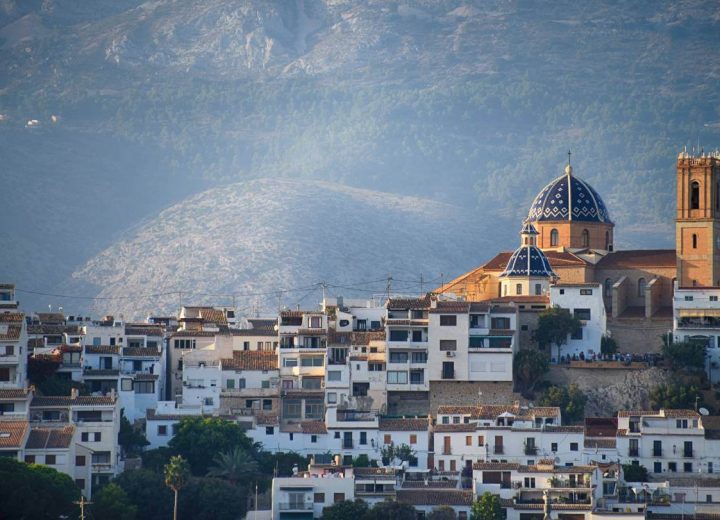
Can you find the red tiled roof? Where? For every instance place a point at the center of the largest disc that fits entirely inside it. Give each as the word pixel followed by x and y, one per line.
pixel 556 258
pixel 403 425
pixel 140 352
pixel 251 360
pixel 601 426
pixel 66 400
pixel 408 303
pixel 462 427
pixel 213 315
pixel 102 349
pixel 50 438
pixel 491 411
pixel 600 443
pixel 143 329
pixel 354 338
pixel 315 427
pixel 450 308
pixel 667 413
pixel 633 258
pixel 12 433
pixel 431 497
pixel 265 333
pixel 13 393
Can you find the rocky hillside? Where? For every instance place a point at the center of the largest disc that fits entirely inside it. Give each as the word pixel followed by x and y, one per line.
pixel 113 109
pixel 256 239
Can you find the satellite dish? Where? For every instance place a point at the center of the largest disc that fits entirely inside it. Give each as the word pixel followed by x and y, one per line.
pixel 704 411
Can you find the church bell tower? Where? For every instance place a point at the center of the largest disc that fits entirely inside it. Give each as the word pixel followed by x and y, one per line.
pixel 697 223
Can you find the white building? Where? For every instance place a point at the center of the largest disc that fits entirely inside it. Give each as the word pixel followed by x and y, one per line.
pixel 13 345
pixel 585 302
pixel 161 422
pixel 696 318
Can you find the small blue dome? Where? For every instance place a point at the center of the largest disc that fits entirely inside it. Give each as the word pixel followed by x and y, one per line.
pixel 581 202
pixel 528 261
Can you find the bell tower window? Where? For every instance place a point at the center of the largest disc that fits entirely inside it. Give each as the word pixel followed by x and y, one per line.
pixel 641 287
pixel 607 240
pixel 585 238
pixel 554 238
pixel 518 288
pixel 695 195
pixel 694 241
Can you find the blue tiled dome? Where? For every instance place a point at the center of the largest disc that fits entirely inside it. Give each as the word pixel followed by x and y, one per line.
pixel 581 202
pixel 528 261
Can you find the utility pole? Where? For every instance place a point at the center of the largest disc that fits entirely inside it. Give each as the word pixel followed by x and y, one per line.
pixel 421 284
pixel 256 499
pixel 388 288
pixel 82 503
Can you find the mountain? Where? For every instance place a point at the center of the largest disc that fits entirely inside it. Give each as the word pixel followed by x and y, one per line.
pixel 270 241
pixel 136 105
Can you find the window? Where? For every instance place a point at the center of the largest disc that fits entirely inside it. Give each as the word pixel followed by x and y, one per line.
pixel 101 457
pixel 641 288
pixel 657 467
pixel 314 361
pixel 468 440
pixel 162 429
pixel 695 195
pixel 453 465
pixel 269 430
pixel 585 238
pixel 267 404
pixel 538 289
pixel 332 397
pixel 398 335
pixel 573 446
pixel 417 376
pixel 334 375
pixel 30 459
pixel 413 438
pixel 315 322
pixel 681 423
pixel 578 334
pixel 319 498
pixel 672 467
pixel 398 357
pixel 290 362
pixel 518 288
pixel 387 439
pixel 50 460
pixel 419 357
pixel 376 367
pixel 80 460
pixel 607 240
pixel 713 298
pixel 338 497
pixel 126 385
pixel 553 447
pixel 183 343
pixel 608 287
pixel 311 383
pixel 246 345
pixel 448 344
pixel 448 320
pixel 585 292
pixel 481 440
pixel 694 241
pixel 84 436
pixel 688 298
pixel 144 387
pixel 230 384
pixel 500 323
pixel 363 437
pixel 529 482
pixel 397 377
pixel 314 409
pixel 313 438
pixel 554 238
pixel 688 467
pixel 582 314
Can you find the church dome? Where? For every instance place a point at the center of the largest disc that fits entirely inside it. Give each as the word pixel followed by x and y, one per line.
pixel 569 198
pixel 528 260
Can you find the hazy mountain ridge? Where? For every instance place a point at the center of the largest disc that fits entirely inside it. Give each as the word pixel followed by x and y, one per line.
pixel 474 104
pixel 266 235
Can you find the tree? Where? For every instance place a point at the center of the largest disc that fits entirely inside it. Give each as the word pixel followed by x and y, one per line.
pixel 177 474
pixel 529 367
pixel 634 473
pixel 361 461
pixel 391 510
pixel 199 439
pixel 442 513
pixel 675 395
pixel 156 459
pixel 112 503
pixel 281 463
pixel 346 509
pixel 391 453
pixel 147 490
pixel 685 355
pixel 234 466
pixel 554 326
pixel 608 345
pixel 487 507
pixel 34 491
pixel 570 400
pixel 131 439
pixel 213 499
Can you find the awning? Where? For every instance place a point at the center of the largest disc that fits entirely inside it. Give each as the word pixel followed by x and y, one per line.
pixel 700 313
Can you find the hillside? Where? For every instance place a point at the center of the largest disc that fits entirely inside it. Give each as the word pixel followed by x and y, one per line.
pixel 256 238
pixel 473 104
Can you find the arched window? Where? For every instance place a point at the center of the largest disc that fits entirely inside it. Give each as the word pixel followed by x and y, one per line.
pixel 641 287
pixel 607 240
pixel 554 238
pixel 608 287
pixel 586 238
pixel 694 241
pixel 695 195
pixel 518 288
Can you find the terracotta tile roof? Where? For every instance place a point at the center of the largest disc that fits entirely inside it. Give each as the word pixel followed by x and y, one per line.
pixel 50 317
pixel 556 258
pixel 491 411
pixel 448 428
pixel 479 307
pixel 564 429
pixel 540 299
pixel 680 413
pixel 634 258
pixel 263 323
pixel 194 334
pixel 311 332
pixel 600 443
pixel 142 376
pixel 601 426
pixel 267 419
pixel 662 413
pixel 214 316
pixel 446 409
pixel 142 329
pixel 66 400
pixel 13 393
pixel 576 284
pixel 12 433
pixel 419 484
pixel 408 303
pixel 12 317
pixel 314 427
pixel 429 497
pixel 251 360
pixel 140 352
pixel 291 314
pixel 403 425
pixel 450 308
pixel 354 338
pixel 98 372
pixel 70 348
pixel 265 333
pixel 489 466
pixel 102 349
pixel 10 330
pixel 50 438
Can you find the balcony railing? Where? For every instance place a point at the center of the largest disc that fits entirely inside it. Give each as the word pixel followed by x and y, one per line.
pixel 295 506
pixel 347 444
pixel 633 452
pixel 531 450
pixel 498 450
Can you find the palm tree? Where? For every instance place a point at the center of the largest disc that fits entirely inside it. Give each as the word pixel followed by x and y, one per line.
pixel 177 473
pixel 234 465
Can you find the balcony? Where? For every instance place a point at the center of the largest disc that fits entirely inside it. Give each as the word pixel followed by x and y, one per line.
pixel 498 449
pixel 347 444
pixel 356 415
pixel 295 506
pixel 633 452
pixel 9 359
pixel 101 467
pixel 448 374
pixel 531 450
pixel 688 453
pixel 557 483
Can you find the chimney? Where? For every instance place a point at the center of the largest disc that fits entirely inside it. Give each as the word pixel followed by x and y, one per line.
pixel 74 393
pixel 113 395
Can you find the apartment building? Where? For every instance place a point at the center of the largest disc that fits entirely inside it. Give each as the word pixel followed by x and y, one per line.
pixel 13 349
pixel 696 318
pixel 585 302
pixel 250 383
